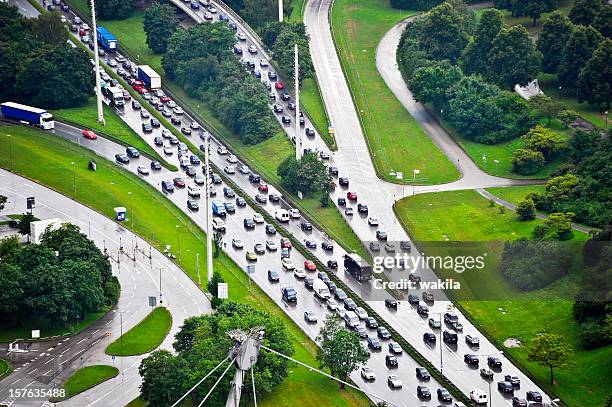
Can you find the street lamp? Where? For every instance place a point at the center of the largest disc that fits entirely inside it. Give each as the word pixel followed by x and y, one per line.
pixel 131 218
pixel 606 112
pixel 97 64
pixel 74 178
pixel 161 300
pixel 178 241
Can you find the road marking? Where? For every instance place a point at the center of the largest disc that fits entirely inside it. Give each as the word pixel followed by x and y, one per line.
pixel 81 340
pixel 47 372
pixel 94 332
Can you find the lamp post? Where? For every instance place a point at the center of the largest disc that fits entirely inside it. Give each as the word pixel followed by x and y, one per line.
pixel 490 381
pixel 161 300
pixel 606 112
pixel 280 11
pixel 298 137
pixel 74 178
pixel 209 254
pixel 178 241
pixel 131 215
pixel 97 64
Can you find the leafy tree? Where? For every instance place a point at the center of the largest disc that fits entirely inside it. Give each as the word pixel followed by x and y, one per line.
pixel 114 9
pixel 24 223
pixel 160 22
pixel 552 351
pixel 444 33
pixel 555 33
pixel 430 84
pixel 595 79
pixel 532 8
pixel 557 226
pixel 475 55
pixel 272 30
pixel 284 52
pixel 582 145
pixel 341 350
pixel 415 4
pixel 526 209
pixel 48 28
pixel 260 12
pixel 567 117
pixel 544 140
pixel 308 175
pixel 10 249
pixel 527 162
pixel 603 21
pixel 164 378
pixel 545 106
pixel 577 52
pixel 11 293
pixel 213 285
pixel 513 58
pixel 561 187
pixel 584 11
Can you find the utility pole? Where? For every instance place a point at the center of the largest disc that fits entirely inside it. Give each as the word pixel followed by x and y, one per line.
pixel 94 31
pixel 198 269
pixel 298 137
pixel 209 251
pixel 244 353
pixel 161 300
pixel 280 11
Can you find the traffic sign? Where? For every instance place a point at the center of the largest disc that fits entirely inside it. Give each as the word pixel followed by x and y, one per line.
pixel 222 291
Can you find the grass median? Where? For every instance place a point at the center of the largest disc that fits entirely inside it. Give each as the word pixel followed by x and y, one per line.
pixel 467 216
pixel 156 219
pixel 5 368
pixel 395 139
pixel 86 378
pixel 145 337
pixel 515 194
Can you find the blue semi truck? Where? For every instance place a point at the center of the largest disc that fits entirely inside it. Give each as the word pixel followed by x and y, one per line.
pixel 150 78
pixel 27 114
pixel 107 40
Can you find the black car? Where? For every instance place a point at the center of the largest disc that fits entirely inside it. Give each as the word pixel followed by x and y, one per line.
pixel 391 303
pixel 472 341
pixel 286 119
pixel 240 201
pixel 254 178
pixel 237 50
pixel 308 282
pixel 423 392
pixel 429 337
pixel 391 361
pixel 155 165
pixel 341 201
pixel 195 160
pixel 519 402
pixel 65 8
pixel 74 28
pixel 289 294
pixel 332 264
pixel 270 229
pixel 249 223
pixel 349 304
pixel 147 128
pixel 310 132
pixel 285 96
pixel 155 122
pixel 228 192
pixel 505 387
pixel 229 207
pixel 362 208
pixel 305 226
pixel 405 245
pixel 486 374
pixel 272 75
pixel 167 186
pixel 383 333
pixel 449 337
pixel 450 318
pixel 158 140
pixel 175 120
pixel 413 299
pixel 273 276
pixel 333 170
pixel 534 396
pixel 327 246
pixel 444 395
pixel 132 152
pixel 381 235
pixel 422 373
pixel 343 181
pixel 122 158
pixel 325 278
pixel 274 198
pixel 470 359
pixel 371 323
pixel 494 362
pixel 193 205
pixel 374 343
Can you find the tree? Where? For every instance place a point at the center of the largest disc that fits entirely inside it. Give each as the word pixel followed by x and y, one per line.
pixel 513 58
pixel 218 242
pixel 567 117
pixel 582 145
pixel 415 4
pixel 557 226
pixel 532 8
pixel 114 9
pixel 595 79
pixel 341 350
pixel 213 285
pixel 527 162
pixel 283 50
pixel 260 12
pixel 602 21
pixel 561 187
pixel 577 52
pixel 475 55
pixel 444 33
pixel 584 11
pixel 555 33
pixel 526 209
pixel 160 22
pixel 430 83
pixel 544 140
pixel 24 223
pixel 164 378
pixel 545 106
pixel 48 28
pixel 552 351
pixel 309 175
pixel 272 30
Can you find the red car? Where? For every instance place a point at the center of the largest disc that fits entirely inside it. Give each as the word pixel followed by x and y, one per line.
pixel 89 134
pixel 279 85
pixel 138 83
pixel 126 95
pixel 142 90
pixel 352 196
pixel 82 32
pixel 309 265
pixel 165 99
pixel 263 188
pixel 179 182
pixel 285 243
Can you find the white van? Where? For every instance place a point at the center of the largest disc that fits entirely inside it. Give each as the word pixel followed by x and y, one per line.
pixel 320 289
pixel 282 215
pixel 479 397
pixel 351 319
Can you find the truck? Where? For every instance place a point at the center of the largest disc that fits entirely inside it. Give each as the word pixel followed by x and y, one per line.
pixel 357 267
pixel 320 289
pixel 115 94
pixel 218 208
pixel 107 40
pixel 27 115
pixel 150 78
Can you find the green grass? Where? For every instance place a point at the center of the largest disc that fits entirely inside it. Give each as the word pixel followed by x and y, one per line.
pixel 466 216
pixel 86 378
pixel 395 139
pixel 310 99
pixel 109 185
pixel 137 403
pixel 297 13
pixel 23 329
pixel 5 368
pixel 145 337
pixel 515 194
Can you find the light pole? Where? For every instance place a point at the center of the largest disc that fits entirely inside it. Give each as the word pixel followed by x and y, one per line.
pixel 73 178
pixel 198 269
pixel 161 300
pixel 178 242
pixel 209 254
pixel 298 137
pixel 280 11
pixel 97 64
pixel 131 215
pixel 414 174
pixel 606 112
pixel 10 141
pixel 491 380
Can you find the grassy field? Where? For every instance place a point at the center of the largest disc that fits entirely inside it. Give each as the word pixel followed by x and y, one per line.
pixel 310 99
pixel 466 216
pixel 145 337
pixel 395 139
pixel 86 378
pixel 5 368
pixel 515 194
pixel 23 330
pixel 109 185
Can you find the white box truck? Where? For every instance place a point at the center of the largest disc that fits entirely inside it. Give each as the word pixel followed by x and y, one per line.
pixel 320 289
pixel 149 77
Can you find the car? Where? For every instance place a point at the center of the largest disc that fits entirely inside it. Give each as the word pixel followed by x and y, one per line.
pixel 155 165
pixel 272 96
pixel 179 182
pixel 505 387
pixel 351 196
pixel 426 295
pixel 332 305
pixel 434 323
pixel 261 198
pixel 519 402
pixel 271 245
pixel 472 340
pixel 309 132
pixel 311 244
pixel 449 337
pixel 374 343
pixel 168 150
pixel 394 381
pixel 287 263
pixel 263 63
pixel 299 273
pixel 122 158
pixel 361 332
pixel 158 141
pixel 422 373
pixel 251 256
pixel 344 182
pixel 373 221
pixel 309 282
pixel 277 108
pixel 486 373
pixel 429 337
pixel 237 244
pixel 332 264
pixel 74 28
pixel 241 36
pixel 325 278
pixel 228 192
pixel 494 362
pixel 361 313
pixel 89 134
pixel 285 243
pixel 391 303
pixel 457 326
pixel 286 119
pixel 383 333
pixel 534 396
pixel 186 130
pixel 147 128
pixel 240 201
pixel 248 223
pixel 142 170
pixel 175 120
pixel 279 85
pixel 154 122
pixel 193 205
pixel 177 110
pixel 167 186
pixel 263 188
pixel 415 278
pixel 216 179
pixel 348 211
pixel 391 361
pixel 258 218
pixel 270 229
pixel 259 248
pixel 371 322
pixel 479 397
pixel 422 309
pixel 274 198
pixel 132 152
pixel 252 49
pixel 325 155
pixel 243 169
pixel 289 294
pixel 444 395
pixel 513 379
pixel 363 208
pixel 413 299
pixel 470 359
pixel 272 76
pixel 310 317
pixel 305 226
pixel 367 373
pixel 199 180
pixel 349 304
pixel 273 276
pixel 450 317
pixel 254 178
pixel 395 348
pixel 194 5
pixel 229 207
pixel 423 392
pixel 310 265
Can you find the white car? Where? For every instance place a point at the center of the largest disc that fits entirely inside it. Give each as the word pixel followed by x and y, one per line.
pixel 218 224
pixel 194 126
pixel 229 169
pixel 168 150
pixel 244 169
pixel 394 381
pixel 373 221
pixel 166 133
pixel 143 170
pixel 367 373
pixel 178 110
pixel 270 245
pixel 232 159
pixel 211 9
pixel 479 396
pixel 258 218
pixel 263 63
pixel 332 305
pixel 294 213
pixel 221 150
pixel 361 313
pixel 310 316
pixel 299 273
pixel 287 263
pixel 237 243
pixel 208 16
pixel 193 190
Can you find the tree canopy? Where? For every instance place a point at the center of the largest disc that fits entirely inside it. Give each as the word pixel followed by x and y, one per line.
pixel 555 33
pixel 577 52
pixel 160 22
pixel 114 9
pixel 595 79
pixel 552 351
pixel 308 175
pixel 475 55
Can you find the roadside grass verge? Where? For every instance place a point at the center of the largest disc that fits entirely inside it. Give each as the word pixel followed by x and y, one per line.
pixel 86 378
pixel 145 337
pixel 155 220
pixel 5 368
pixel 395 139
pixel 515 194
pixel 9 331
pixel 466 216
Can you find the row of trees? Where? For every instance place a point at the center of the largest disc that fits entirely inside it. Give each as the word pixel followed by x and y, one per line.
pixel 114 9
pixel 62 278
pixel 281 38
pixel 258 13
pixel 37 66
pixel 200 59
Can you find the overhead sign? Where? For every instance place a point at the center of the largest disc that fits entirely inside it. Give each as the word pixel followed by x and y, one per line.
pixel 35 334
pixel 152 302
pixel 30 202
pixel 222 291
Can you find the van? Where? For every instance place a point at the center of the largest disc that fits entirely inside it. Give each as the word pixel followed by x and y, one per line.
pixel 320 289
pixel 282 215
pixel 351 319
pixel 479 397
pixel 184 162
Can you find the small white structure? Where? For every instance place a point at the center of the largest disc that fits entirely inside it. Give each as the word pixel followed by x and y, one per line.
pixel 39 227
pixel 530 90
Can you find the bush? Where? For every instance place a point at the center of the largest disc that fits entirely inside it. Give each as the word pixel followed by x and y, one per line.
pixel 527 162
pixel 526 209
pixel 593 334
pixel 415 4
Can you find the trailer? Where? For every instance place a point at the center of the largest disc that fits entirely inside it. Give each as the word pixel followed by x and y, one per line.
pixel 115 94
pixel 149 77
pixel 27 115
pixel 357 267
pixel 107 40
